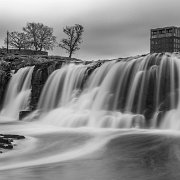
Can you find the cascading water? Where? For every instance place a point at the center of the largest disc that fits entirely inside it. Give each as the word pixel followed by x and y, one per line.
pixel 18 93
pixel 118 94
pixel 128 94
pixel 61 86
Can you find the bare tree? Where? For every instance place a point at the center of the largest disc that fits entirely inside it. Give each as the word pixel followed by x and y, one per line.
pixel 74 39
pixel 17 40
pixel 40 36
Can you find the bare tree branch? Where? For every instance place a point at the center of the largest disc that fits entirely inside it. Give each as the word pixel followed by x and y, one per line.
pixel 73 40
pixel 18 40
pixel 40 36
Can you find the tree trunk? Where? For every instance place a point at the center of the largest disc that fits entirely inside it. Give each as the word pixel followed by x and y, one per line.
pixel 36 46
pixel 70 54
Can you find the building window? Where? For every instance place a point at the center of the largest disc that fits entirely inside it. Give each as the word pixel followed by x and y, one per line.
pixel 165 39
pixel 162 31
pixel 169 30
pixel 154 32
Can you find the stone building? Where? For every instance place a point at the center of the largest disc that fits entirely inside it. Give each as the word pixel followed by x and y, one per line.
pixel 3 51
pixel 165 39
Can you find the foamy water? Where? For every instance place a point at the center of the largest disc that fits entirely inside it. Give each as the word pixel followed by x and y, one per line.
pixel 55 153
pixel 97 124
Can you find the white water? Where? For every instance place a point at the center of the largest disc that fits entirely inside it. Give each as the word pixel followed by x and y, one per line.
pixel 49 152
pixel 63 84
pixel 107 111
pixel 18 93
pixel 116 95
pixel 120 94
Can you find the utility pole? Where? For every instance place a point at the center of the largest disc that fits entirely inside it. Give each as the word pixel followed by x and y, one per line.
pixel 7 41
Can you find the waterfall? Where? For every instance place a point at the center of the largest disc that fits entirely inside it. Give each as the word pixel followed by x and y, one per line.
pixel 18 93
pixel 61 86
pixel 119 94
pixel 134 92
pixel 109 120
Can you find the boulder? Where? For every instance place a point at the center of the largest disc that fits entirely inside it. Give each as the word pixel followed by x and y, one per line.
pixel 6 141
pixel 23 114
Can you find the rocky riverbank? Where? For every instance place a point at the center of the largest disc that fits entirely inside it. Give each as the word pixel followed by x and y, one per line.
pixel 7 141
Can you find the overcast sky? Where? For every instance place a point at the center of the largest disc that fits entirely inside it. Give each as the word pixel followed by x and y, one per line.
pixel 113 28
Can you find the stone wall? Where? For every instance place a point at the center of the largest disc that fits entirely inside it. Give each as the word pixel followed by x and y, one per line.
pixel 22 52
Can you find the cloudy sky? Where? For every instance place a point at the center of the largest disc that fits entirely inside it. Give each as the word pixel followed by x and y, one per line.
pixel 113 28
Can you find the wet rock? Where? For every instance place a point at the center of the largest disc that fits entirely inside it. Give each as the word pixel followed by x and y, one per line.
pixel 6 141
pixel 4 66
pixel 40 75
pixel 12 136
pixel 138 121
pixel 6 146
pixel 89 71
pixel 43 66
pixel 166 104
pixel 4 79
pixel 23 114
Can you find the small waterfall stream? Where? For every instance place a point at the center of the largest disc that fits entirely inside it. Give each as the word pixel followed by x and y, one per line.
pixel 18 93
pixel 62 85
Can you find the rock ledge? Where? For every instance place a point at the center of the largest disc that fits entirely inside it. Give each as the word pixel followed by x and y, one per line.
pixel 7 141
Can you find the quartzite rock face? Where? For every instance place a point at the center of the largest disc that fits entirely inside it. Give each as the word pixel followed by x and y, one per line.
pixel 23 114
pixel 40 74
pixel 43 70
pixel 5 76
pixel 89 71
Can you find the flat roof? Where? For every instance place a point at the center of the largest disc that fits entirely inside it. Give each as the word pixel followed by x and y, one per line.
pixel 164 28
